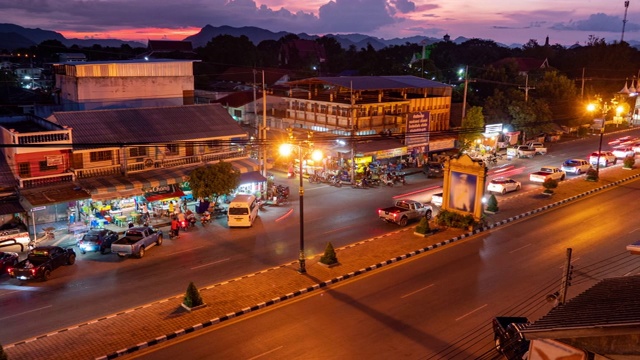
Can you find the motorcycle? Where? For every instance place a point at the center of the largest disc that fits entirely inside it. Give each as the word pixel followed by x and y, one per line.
pixel 219 211
pixel 360 184
pixel 386 180
pixel 172 234
pixel 191 219
pixel 398 178
pixel 183 225
pixel 205 218
pixel 335 181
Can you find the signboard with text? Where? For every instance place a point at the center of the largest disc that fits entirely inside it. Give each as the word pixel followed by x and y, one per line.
pixel 417 129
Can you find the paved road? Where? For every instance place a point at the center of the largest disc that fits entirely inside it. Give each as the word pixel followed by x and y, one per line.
pixel 440 304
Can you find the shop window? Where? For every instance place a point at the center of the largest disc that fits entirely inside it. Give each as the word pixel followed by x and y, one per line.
pixel 24 169
pixel 97 156
pixel 138 151
pixel 173 149
pixel 45 167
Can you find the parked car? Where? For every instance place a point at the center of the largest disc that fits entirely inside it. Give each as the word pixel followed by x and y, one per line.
pixel 97 240
pixel 41 261
pixel 433 169
pixel 436 199
pixel 576 166
pixel 503 185
pixel 622 152
pixel 7 259
pixel 606 158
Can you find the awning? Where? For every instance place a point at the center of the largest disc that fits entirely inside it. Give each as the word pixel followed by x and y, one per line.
pixel 10 206
pixel 163 192
pixel 54 194
pixel 251 177
pixel 245 165
pixel 135 184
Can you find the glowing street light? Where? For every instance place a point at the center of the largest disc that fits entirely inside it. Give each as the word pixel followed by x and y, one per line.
pixel 316 155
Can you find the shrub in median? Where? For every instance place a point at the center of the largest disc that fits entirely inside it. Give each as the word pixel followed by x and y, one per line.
pixel 492 203
pixel 629 161
pixel 192 298
pixel 454 219
pixel 423 226
pixel 549 184
pixel 329 257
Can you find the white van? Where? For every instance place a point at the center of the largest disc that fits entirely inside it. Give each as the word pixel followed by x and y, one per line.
pixel 243 211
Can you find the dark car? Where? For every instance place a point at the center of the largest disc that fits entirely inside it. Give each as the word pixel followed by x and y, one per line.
pixel 41 261
pixel 97 240
pixel 433 169
pixel 7 259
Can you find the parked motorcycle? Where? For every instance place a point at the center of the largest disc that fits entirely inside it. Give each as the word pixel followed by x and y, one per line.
pixel 335 181
pixel 386 180
pixel 398 177
pixel 205 218
pixel 360 184
pixel 219 211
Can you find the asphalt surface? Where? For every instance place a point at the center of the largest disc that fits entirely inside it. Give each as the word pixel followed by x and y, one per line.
pixel 133 329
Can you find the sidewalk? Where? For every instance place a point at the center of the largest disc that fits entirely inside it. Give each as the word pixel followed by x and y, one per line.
pixel 134 329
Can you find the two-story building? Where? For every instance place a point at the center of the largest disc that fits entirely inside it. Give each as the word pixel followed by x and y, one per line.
pixel 413 113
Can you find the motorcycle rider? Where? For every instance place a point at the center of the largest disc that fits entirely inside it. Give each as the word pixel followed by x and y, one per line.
pixel 175 227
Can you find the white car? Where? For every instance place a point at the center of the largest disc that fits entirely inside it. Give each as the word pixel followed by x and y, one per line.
pixel 576 166
pixel 606 158
pixel 623 152
pixel 503 185
pixel 436 199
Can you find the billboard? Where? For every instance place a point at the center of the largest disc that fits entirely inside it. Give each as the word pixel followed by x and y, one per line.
pixel 417 129
pixel 463 186
pixel 462 194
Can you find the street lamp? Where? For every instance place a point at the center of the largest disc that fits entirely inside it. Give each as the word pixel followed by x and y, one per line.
pixel 592 108
pixel 316 155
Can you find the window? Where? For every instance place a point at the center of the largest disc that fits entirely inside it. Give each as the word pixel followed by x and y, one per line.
pixel 237 114
pixel 173 149
pixel 24 169
pixel 138 151
pixel 100 156
pixel 45 167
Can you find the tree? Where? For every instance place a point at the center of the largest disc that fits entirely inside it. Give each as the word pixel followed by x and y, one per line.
pixel 192 297
pixel 492 203
pixel 472 127
pixel 329 257
pixel 214 180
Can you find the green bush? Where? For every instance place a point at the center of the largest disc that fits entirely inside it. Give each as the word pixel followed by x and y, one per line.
pixel 492 203
pixel 592 174
pixel 423 226
pixel 549 184
pixel 454 219
pixel 329 257
pixel 192 298
pixel 629 161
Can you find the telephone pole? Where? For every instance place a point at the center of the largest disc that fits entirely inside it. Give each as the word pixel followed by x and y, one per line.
pixel 526 88
pixel 624 21
pixel 566 279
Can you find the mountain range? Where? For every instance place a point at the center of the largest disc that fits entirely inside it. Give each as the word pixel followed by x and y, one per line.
pixel 14 37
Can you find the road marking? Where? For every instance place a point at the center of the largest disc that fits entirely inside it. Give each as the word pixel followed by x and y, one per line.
pixel 416 192
pixel 26 312
pixel 285 215
pixel 417 291
pixel 178 252
pixel 471 312
pixel 266 353
pixel 520 248
pixel 634 230
pixel 19 288
pixel 211 263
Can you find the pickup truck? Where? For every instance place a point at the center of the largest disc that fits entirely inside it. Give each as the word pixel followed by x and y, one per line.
pixel 508 339
pixel 136 241
pixel 405 210
pixel 546 172
pixel 16 236
pixel 538 147
pixel 41 261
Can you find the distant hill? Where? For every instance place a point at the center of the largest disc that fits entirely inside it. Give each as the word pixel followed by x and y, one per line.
pixel 14 36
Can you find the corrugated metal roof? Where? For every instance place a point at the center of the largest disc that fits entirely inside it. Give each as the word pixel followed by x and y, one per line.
pixel 149 125
pixel 373 82
pixel 611 302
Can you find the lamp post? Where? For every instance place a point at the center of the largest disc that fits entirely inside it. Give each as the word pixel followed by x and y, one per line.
pixel 592 108
pixel 286 149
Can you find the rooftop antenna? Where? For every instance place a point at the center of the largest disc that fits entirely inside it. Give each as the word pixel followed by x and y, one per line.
pixel 624 21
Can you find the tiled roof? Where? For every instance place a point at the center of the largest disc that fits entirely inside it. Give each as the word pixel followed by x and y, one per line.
pixel 613 302
pixel 373 82
pixel 149 125
pixel 238 99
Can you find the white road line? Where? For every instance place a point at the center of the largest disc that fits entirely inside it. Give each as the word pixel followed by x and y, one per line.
pixel 19 288
pixel 417 291
pixel 26 312
pixel 518 249
pixel 634 230
pixel 471 312
pixel 178 252
pixel 266 353
pixel 211 263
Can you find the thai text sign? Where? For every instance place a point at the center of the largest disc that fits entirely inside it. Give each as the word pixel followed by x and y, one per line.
pixel 417 129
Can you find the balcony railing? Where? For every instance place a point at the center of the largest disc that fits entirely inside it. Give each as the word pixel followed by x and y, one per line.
pixel 46 180
pixel 49 137
pixel 157 164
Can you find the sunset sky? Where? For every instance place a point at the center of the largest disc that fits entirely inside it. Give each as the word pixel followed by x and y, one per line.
pixel 566 22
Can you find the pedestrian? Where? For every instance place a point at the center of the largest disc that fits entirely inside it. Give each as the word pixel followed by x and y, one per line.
pixel 172 208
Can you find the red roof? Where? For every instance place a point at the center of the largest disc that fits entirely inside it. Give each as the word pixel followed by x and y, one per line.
pixel 238 99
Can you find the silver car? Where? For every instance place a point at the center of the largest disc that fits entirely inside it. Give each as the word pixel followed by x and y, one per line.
pixel 576 166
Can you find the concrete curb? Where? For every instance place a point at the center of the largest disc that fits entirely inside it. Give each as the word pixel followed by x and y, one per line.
pixel 350 275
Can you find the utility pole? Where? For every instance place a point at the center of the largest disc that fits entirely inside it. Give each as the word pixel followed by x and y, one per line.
pixel 464 96
pixel 526 88
pixel 566 279
pixel 624 21
pixel 263 130
pixel 352 172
